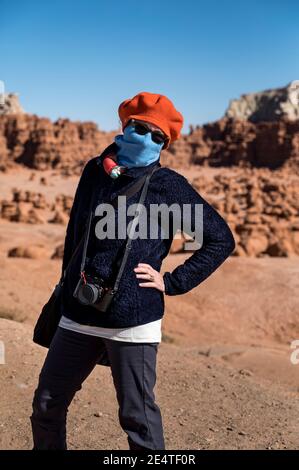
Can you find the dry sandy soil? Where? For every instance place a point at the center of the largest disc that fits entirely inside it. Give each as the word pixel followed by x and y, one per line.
pixel 224 375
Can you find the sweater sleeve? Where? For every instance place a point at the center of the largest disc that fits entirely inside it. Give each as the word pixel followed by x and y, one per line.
pixel 74 230
pixel 217 241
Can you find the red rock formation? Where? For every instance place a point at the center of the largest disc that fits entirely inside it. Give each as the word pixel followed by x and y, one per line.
pixel 36 251
pixel 260 206
pixel 228 142
pixel 257 192
pixel 40 143
pixel 25 206
pixel 66 145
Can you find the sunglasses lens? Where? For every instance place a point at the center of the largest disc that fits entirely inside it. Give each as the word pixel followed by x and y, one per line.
pixel 140 129
pixel 157 138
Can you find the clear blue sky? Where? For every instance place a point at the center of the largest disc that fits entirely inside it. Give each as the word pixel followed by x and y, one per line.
pixel 80 59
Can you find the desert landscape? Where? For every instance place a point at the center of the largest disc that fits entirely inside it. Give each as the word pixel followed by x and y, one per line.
pixel 225 379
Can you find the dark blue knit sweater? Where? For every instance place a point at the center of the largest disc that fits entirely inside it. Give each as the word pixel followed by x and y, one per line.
pixel 134 305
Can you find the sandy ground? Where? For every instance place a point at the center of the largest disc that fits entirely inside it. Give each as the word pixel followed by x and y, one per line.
pixel 206 403
pixel 224 375
pixel 225 379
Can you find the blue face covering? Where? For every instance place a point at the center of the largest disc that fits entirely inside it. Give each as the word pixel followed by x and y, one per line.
pixel 136 150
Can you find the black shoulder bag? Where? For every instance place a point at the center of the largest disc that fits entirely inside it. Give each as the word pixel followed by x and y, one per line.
pixel 50 315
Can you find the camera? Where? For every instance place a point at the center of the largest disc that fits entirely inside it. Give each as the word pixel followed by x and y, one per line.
pixel 91 291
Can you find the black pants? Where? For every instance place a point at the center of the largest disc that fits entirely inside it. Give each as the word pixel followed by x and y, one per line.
pixel 71 358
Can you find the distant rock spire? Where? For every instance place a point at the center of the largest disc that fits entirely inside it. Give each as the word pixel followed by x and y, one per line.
pixel 9 104
pixel 268 105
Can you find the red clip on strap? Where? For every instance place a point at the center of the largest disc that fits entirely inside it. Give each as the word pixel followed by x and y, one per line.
pixel 109 164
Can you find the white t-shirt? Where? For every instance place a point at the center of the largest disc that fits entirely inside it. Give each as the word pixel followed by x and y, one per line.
pixel 147 333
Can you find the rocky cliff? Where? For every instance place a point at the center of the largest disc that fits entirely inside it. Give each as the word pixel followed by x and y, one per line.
pixel 42 144
pixel 268 105
pixel 229 143
pixel 10 104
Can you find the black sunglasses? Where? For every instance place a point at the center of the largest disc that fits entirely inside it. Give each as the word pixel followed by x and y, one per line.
pixel 143 129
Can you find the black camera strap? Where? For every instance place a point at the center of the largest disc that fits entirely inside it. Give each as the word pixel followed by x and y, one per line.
pixel 84 237
pixel 129 192
pixel 133 189
pixel 143 181
pixel 133 226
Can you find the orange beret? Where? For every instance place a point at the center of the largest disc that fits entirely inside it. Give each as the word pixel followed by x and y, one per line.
pixel 155 109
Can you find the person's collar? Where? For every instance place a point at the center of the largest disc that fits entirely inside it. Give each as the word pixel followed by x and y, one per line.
pixel 135 172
